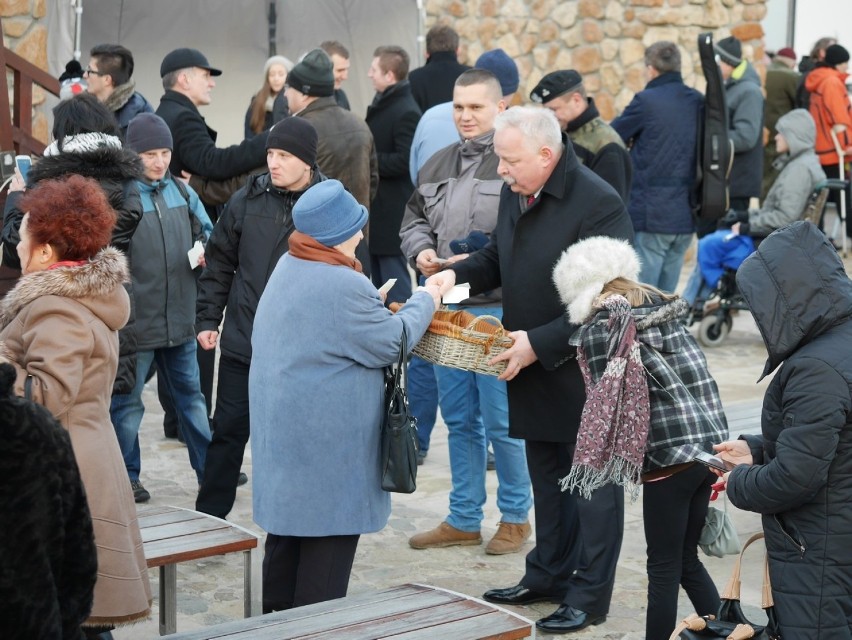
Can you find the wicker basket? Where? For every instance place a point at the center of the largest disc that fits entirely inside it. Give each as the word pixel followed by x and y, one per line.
pixel 462 340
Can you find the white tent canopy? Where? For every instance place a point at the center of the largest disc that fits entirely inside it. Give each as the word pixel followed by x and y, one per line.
pixel 234 35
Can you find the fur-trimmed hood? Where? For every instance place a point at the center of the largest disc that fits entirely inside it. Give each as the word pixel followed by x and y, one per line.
pixel 585 267
pixel 96 285
pixel 104 163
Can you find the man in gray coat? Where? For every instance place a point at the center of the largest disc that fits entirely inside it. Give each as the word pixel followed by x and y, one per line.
pixel 458 192
pixel 744 101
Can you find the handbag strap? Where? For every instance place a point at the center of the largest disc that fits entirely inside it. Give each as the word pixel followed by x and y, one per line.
pixel 400 372
pixel 732 589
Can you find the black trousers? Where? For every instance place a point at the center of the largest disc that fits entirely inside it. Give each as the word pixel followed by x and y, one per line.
pixel 299 571
pixel 230 435
pixel 674 511
pixel 577 540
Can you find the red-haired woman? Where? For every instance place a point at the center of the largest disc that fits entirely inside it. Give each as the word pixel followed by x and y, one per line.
pixel 59 328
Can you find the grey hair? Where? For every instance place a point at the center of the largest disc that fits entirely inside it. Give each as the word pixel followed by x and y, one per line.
pixel 538 125
pixel 171 78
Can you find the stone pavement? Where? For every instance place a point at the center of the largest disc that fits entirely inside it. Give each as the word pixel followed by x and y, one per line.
pixel 210 591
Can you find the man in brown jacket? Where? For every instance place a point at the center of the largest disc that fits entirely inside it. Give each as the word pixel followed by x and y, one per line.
pixel 345 148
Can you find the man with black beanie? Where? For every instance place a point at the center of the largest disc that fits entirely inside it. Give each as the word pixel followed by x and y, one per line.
pixel 249 238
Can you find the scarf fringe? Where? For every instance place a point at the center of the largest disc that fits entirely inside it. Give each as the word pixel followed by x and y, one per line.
pixel 584 479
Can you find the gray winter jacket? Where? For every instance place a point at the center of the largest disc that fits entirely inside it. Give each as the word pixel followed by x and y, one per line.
pixel 744 100
pixel 801 172
pixel 458 191
pixel 164 285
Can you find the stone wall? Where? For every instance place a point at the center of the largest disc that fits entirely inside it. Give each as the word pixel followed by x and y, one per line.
pixel 25 34
pixel 604 40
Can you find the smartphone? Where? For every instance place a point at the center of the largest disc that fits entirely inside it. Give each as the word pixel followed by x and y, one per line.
pixel 714 462
pixel 23 163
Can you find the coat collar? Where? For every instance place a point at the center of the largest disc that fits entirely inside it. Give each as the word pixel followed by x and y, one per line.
pixel 666 78
pixel 563 173
pixel 97 278
pixel 587 116
pixel 173 96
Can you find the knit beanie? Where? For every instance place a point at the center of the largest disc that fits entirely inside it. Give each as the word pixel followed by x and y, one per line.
pixel 297 136
pixel 586 267
pixel 501 65
pixel 284 62
pixel 313 75
pixel 786 52
pixel 730 50
pixel 148 131
pixel 836 55
pixel 329 213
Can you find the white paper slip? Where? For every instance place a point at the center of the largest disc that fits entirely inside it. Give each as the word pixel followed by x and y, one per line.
pixel 457 294
pixel 438 260
pixel 195 254
pixel 387 286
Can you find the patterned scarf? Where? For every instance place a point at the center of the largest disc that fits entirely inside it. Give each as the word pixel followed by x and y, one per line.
pixel 617 415
pixel 83 142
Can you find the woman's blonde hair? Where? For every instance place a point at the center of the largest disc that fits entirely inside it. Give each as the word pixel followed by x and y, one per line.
pixel 636 293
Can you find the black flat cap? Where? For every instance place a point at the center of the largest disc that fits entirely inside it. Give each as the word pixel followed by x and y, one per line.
pixel 554 84
pixel 185 58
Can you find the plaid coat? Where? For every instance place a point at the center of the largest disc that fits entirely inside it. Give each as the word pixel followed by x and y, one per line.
pixel 686 411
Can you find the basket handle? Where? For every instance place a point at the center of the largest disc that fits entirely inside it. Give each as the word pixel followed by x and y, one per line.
pixel 732 589
pixel 489 342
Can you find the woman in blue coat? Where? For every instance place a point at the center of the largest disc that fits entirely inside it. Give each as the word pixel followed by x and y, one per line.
pixel 316 388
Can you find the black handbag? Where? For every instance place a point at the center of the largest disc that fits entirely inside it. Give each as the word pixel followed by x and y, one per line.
pixel 399 429
pixel 731 622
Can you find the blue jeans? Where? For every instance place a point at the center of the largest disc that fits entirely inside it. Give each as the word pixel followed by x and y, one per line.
pixel 179 368
pixel 696 288
pixel 661 255
pixel 423 398
pixel 472 406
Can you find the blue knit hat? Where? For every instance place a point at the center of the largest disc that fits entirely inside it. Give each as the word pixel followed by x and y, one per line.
pixel 329 213
pixel 501 65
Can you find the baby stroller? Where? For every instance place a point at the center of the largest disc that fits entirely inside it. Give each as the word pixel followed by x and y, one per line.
pixel 715 312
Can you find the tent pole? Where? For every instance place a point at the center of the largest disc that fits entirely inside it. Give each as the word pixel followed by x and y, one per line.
pixel 272 18
pixel 421 36
pixel 78 9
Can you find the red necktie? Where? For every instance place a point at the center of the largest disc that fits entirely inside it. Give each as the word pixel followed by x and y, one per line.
pixel 530 200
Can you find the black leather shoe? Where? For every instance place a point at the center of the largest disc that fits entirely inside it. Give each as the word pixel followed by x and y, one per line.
pixel 567 619
pixel 518 594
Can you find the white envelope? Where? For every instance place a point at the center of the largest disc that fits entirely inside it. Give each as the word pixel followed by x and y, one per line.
pixel 457 294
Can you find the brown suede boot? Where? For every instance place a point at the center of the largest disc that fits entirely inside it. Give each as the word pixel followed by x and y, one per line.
pixel 444 535
pixel 509 538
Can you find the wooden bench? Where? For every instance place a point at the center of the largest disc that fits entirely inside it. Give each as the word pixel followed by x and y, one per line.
pixel 407 612
pixel 171 535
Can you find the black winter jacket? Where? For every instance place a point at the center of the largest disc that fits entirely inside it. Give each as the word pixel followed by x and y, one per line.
pixel 116 170
pixel 433 83
pixel 392 119
pixel 547 397
pixel 801 480
pixel 195 148
pixel 248 240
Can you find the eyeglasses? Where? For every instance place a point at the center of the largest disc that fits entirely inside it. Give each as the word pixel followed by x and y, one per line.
pixel 94 72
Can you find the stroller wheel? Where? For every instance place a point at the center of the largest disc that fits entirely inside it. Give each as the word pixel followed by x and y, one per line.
pixel 714 329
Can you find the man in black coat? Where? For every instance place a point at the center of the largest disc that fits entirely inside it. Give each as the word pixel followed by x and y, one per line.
pixel 392 119
pixel 433 83
pixel 188 80
pixel 550 203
